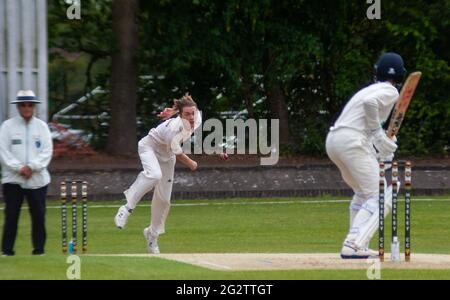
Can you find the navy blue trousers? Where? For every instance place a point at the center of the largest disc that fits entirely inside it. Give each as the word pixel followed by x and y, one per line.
pixel 13 196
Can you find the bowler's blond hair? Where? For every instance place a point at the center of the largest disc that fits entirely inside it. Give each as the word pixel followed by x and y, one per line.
pixel 185 101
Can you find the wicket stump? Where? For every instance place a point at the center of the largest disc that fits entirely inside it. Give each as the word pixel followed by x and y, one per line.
pixel 395 252
pixel 74 197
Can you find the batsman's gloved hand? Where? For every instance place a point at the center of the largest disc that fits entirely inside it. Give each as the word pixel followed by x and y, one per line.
pixel 387 160
pixel 384 145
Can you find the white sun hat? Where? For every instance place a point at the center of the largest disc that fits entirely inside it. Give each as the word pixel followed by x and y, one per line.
pixel 26 96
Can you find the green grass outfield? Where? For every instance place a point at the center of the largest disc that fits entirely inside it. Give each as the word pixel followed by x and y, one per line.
pixel 285 225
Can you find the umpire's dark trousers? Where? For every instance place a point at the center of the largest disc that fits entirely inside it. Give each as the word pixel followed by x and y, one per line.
pixel 13 195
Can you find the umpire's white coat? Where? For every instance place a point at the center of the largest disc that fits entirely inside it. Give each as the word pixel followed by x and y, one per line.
pixel 25 143
pixel 349 146
pixel 157 152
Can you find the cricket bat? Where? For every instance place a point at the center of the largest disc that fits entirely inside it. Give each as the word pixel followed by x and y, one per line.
pixel 402 104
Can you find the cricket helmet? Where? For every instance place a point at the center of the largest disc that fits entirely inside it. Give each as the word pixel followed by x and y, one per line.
pixel 390 66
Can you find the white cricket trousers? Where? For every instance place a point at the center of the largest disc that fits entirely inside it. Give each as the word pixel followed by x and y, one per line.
pixel 351 151
pixel 353 154
pixel 158 173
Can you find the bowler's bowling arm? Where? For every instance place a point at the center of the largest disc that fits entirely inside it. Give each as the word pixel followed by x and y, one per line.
pixel 185 160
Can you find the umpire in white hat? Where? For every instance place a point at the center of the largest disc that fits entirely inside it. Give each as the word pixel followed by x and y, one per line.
pixel 25 151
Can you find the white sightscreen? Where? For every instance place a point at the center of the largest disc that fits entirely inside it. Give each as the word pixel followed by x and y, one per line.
pixel 23 53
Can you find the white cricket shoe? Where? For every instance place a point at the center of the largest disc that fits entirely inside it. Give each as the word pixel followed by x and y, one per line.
pixel 152 242
pixel 121 217
pixel 351 251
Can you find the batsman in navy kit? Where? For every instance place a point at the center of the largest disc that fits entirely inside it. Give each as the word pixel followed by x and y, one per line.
pixel 25 151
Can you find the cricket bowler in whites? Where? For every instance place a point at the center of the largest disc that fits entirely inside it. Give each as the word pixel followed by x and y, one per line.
pixel 355 144
pixel 158 152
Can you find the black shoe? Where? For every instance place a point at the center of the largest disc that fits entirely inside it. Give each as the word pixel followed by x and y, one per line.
pixel 38 252
pixel 9 253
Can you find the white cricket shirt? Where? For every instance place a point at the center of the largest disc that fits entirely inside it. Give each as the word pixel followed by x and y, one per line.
pixel 354 116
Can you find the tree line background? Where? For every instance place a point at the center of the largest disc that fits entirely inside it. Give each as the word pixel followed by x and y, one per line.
pixel 298 61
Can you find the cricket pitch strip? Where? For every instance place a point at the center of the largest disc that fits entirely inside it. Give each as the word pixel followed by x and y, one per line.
pixel 294 261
